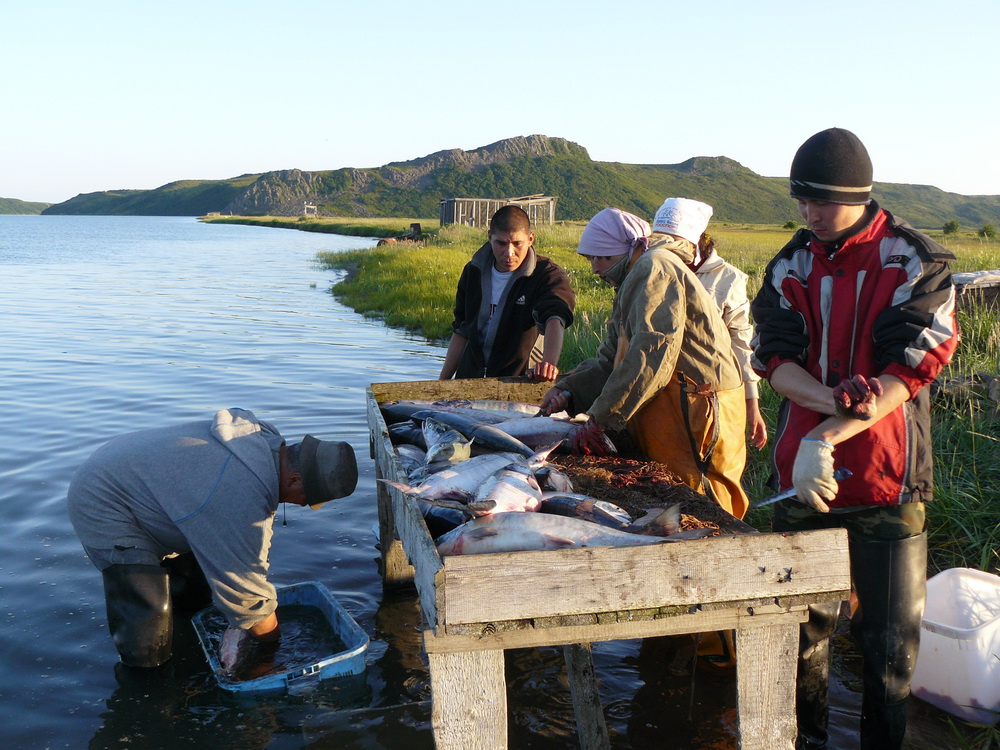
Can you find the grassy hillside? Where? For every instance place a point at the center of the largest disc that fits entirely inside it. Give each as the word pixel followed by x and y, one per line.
pixel 182 198
pixel 15 206
pixel 513 167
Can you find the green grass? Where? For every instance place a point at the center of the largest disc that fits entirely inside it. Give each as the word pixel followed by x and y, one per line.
pixel 413 287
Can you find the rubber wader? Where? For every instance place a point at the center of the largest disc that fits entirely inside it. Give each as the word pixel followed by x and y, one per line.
pixel 139 613
pixel 813 680
pixel 890 579
pixel 189 589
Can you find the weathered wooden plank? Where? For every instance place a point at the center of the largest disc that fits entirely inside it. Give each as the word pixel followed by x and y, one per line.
pixel 765 672
pixel 698 622
pixel 403 515
pixel 590 725
pixel 500 389
pixel 396 570
pixel 512 586
pixel 469 707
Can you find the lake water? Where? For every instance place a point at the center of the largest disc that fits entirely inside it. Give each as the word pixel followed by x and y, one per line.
pixel 111 324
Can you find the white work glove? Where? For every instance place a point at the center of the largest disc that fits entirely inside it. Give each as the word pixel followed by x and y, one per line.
pixel 812 474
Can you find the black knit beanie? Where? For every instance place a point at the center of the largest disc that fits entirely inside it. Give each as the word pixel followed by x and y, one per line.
pixel 832 166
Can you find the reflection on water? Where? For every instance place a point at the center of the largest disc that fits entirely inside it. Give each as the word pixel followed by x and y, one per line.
pixel 112 324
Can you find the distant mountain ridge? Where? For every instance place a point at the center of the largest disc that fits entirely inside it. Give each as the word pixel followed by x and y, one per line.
pixel 523 165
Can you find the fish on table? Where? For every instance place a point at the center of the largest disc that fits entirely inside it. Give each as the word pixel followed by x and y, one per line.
pixel 446 446
pixel 411 458
pixel 485 436
pixel 463 480
pixel 513 489
pixel 487 410
pixel 521 532
pixel 576 505
pixel 575 436
pixel 407 433
pixel 551 479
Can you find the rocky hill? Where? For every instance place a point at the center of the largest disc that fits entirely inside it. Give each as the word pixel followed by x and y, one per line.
pixel 517 166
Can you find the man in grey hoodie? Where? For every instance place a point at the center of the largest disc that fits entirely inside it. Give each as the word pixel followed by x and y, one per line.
pixel 206 490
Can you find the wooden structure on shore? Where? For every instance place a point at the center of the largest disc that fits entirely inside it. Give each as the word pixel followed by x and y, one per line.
pixel 977 287
pixel 475 607
pixel 477 212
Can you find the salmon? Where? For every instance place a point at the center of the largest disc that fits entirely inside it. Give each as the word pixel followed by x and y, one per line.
pixel 520 532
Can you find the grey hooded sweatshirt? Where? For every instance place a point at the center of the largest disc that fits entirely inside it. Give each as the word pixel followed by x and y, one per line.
pixel 208 487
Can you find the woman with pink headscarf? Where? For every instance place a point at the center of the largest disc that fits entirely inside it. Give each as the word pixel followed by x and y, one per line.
pixel 665 372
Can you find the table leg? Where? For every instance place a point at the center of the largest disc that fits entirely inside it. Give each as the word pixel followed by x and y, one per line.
pixel 590 724
pixel 766 661
pixel 469 695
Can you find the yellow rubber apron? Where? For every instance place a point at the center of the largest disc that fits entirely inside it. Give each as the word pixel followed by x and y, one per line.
pixel 699 435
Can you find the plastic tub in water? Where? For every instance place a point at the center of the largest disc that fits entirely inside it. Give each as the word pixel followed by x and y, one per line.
pixel 958 666
pixel 349 661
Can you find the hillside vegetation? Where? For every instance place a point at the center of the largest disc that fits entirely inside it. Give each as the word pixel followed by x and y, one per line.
pixel 517 166
pixel 15 206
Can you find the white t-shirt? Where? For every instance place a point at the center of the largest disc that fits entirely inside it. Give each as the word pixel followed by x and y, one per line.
pixel 499 284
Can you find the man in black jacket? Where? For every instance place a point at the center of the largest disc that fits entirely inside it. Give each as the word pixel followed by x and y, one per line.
pixel 506 297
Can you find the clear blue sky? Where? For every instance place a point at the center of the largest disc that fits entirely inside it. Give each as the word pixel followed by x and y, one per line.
pixel 106 95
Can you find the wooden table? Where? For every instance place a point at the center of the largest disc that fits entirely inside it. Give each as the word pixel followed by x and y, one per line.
pixel 476 606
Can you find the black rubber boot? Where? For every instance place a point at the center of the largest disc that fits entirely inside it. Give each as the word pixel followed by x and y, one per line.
pixel 139 613
pixel 812 706
pixel 890 579
pixel 189 589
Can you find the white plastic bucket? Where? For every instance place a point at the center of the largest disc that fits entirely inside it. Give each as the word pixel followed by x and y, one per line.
pixel 958 666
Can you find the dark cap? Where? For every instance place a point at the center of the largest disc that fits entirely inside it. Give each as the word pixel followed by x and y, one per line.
pixel 832 166
pixel 329 470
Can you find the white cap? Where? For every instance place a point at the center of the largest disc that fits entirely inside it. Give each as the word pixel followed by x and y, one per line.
pixel 683 217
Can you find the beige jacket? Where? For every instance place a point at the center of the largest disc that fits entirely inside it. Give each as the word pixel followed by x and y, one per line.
pixel 728 287
pixel 662 320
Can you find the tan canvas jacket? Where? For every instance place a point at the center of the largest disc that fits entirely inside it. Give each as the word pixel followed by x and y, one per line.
pixel 662 320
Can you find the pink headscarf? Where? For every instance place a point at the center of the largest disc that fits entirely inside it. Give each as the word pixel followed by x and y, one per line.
pixel 613 232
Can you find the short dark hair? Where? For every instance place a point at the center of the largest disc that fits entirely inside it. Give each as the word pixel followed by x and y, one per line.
pixel 510 219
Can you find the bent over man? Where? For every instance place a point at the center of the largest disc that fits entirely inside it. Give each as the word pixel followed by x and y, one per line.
pixel 854 319
pixel 196 498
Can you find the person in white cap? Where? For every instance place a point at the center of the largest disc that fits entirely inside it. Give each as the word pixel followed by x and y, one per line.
pixel 728 286
pixel 665 373
pixel 174 515
pixel 854 320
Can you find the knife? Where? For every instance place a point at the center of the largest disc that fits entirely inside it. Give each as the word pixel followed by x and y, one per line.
pixel 840 474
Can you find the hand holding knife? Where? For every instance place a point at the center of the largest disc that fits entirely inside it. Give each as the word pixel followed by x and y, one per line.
pixel 840 474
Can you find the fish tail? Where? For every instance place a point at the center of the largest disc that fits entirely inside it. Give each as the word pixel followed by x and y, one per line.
pixel 406 489
pixel 541 456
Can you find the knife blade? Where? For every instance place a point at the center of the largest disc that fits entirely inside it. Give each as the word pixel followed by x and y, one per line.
pixel 840 474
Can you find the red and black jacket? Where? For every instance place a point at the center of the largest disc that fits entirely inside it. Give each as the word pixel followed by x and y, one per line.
pixel 878 302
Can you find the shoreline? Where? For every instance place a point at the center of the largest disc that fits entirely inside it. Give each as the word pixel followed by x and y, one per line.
pixel 351 227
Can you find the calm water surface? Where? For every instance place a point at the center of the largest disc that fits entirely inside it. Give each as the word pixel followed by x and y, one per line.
pixel 111 324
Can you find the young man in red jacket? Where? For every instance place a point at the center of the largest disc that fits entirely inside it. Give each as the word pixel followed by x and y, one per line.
pixel 854 319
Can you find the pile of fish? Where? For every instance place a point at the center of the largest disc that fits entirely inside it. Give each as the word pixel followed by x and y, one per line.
pixel 479 472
